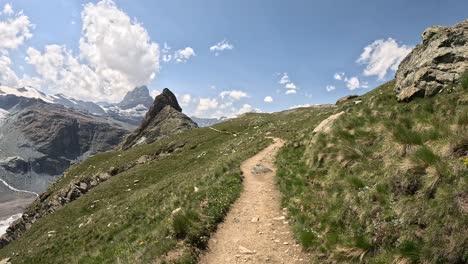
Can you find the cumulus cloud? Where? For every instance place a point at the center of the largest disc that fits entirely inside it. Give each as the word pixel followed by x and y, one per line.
pixel 184 55
pixel 290 87
pixel 227 103
pixel 221 46
pixel 186 99
pixel 382 56
pixel 116 55
pixel 181 55
pixel 15 31
pixel 246 108
pixel 330 88
pixel 268 99
pixel 8 9
pixel 354 83
pixel 339 76
pixel 206 104
pixel 234 94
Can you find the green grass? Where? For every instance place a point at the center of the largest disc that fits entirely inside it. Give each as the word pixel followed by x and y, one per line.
pixel 382 185
pixel 122 222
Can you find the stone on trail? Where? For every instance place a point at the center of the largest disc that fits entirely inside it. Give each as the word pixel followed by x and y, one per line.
pixel 259 169
pixel 244 250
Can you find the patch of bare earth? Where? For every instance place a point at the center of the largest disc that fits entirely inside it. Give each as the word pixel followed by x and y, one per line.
pixel 256 229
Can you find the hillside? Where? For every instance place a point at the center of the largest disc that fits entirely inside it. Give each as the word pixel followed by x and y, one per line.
pixel 377 178
pixel 127 219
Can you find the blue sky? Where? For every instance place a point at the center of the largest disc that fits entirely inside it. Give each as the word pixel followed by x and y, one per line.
pixel 308 41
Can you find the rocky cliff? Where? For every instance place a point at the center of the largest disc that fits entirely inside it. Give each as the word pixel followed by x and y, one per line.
pixel 439 61
pixel 39 141
pixel 163 119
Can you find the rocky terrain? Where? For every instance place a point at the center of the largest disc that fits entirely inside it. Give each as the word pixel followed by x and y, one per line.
pixel 437 63
pixel 164 118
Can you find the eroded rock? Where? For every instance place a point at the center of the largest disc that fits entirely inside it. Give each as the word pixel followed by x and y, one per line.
pixel 439 61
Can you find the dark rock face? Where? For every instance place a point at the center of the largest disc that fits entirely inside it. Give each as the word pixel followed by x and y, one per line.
pixel 439 61
pixel 139 96
pixel 164 118
pixel 39 141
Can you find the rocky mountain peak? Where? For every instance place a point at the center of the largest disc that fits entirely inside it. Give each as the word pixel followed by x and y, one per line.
pixel 439 61
pixel 164 118
pixel 138 96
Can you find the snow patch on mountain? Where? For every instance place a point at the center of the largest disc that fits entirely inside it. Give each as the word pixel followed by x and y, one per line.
pixel 27 92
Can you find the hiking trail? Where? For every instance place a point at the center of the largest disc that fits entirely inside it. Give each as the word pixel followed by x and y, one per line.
pixel 256 229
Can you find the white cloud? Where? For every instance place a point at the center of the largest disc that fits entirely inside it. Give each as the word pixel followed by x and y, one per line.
pixel 166 56
pixel 268 99
pixel 14 31
pixel 246 108
pixel 184 55
pixel 116 54
pixel 8 9
pixel 221 46
pixel 284 79
pixel 186 99
pixel 330 88
pixel 382 56
pixel 206 104
pixel 234 94
pixel 227 104
pixel 181 55
pixel 339 76
pixel 290 87
pixel 354 83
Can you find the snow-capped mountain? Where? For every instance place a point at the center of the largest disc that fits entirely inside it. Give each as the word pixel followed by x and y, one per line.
pixel 130 110
pixel 27 92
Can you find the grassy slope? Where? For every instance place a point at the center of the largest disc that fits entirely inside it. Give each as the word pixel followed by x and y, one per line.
pixel 387 185
pixel 132 223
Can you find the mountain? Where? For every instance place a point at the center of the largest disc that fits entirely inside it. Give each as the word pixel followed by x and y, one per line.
pixel 164 118
pixel 84 106
pixel 39 140
pixel 205 122
pixel 138 96
pixel 373 179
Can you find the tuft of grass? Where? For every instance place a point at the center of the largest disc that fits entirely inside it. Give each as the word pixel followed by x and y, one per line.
pixel 464 80
pixel 369 200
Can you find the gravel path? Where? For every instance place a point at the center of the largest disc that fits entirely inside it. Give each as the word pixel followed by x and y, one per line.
pixel 256 229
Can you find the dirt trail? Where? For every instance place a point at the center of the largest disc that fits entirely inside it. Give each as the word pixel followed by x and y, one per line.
pixel 256 228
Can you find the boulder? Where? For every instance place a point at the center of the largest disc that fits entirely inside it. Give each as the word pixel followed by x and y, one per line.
pixel 439 61
pixel 346 98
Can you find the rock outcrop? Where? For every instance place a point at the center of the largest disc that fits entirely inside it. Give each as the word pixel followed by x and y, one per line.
pixel 163 119
pixel 438 62
pixel 346 98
